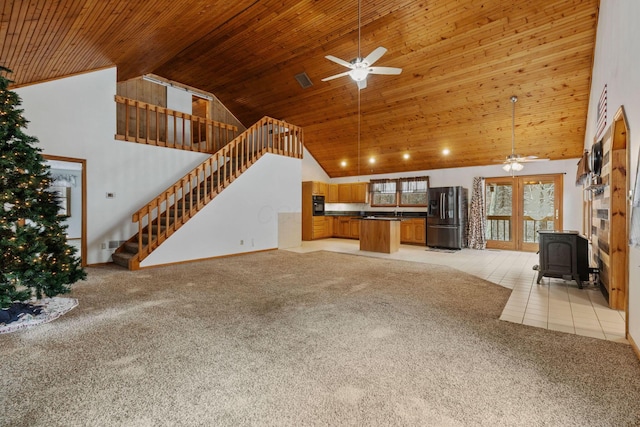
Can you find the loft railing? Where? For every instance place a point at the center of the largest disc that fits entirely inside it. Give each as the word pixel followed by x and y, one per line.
pixel 165 214
pixel 146 123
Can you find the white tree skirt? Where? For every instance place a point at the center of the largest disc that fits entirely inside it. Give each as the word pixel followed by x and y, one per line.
pixel 52 308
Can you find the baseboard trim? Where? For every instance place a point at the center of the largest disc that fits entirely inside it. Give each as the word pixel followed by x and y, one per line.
pixel 206 259
pixel 100 264
pixel 634 346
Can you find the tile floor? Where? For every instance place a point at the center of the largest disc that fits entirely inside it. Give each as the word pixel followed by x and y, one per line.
pixel 553 304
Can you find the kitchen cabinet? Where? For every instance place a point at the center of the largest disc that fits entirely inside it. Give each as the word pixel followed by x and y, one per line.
pixel 342 227
pixel 413 231
pixel 355 192
pixel 322 227
pixel 354 228
pixel 332 195
pixel 314 227
pixel 359 192
pixel 346 227
pixel 318 188
pixel 344 193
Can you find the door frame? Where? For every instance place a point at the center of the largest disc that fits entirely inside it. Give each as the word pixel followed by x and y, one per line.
pixel 516 230
pixel 83 189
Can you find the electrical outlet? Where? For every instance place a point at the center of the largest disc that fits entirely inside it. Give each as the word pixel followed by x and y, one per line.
pixel 103 246
pixel 111 195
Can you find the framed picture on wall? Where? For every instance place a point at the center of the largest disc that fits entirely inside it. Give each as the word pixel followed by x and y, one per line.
pixel 64 200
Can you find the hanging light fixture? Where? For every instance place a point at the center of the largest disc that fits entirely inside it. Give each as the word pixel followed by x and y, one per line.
pixel 513 164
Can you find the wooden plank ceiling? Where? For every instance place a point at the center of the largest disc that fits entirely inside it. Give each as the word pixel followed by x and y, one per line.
pixel 462 60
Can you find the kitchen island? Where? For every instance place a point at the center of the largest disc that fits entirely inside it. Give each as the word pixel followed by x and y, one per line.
pixel 379 234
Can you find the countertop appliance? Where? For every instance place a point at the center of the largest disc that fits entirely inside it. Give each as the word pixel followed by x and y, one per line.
pixel 318 205
pixel 447 217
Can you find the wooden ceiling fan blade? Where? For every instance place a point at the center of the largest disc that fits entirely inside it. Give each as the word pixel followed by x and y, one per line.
pixel 335 76
pixel 375 55
pixel 339 61
pixel 385 70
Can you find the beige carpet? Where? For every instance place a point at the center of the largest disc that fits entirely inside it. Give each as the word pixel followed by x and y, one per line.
pixel 285 339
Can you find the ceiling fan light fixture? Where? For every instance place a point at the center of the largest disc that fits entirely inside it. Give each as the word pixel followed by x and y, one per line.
pixel 359 74
pixel 513 167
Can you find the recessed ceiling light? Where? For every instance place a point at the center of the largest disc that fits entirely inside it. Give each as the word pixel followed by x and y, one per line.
pixel 372 160
pixel 343 163
pixel 446 151
pixel 406 156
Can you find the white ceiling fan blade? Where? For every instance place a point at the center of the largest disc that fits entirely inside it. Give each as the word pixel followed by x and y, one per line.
pixel 375 55
pixel 362 84
pixel 385 70
pixel 335 76
pixel 536 159
pixel 339 61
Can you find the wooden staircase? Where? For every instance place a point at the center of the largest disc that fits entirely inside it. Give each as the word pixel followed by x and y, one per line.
pixel 181 201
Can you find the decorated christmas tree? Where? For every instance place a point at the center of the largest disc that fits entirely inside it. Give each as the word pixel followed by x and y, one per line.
pixel 35 259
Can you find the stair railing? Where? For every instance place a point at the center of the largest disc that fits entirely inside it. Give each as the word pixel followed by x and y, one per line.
pixel 150 124
pixel 166 213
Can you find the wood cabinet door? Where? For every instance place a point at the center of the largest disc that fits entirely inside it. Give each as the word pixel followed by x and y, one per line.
pixel 359 192
pixel 328 226
pixel 354 228
pixel 332 193
pixel 406 231
pixel 319 188
pixel 344 193
pixel 419 231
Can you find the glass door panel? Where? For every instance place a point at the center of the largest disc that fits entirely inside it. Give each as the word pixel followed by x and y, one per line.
pixel 540 208
pixel 499 211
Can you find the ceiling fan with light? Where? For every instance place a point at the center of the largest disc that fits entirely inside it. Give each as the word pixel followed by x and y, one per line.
pixel 360 68
pixel 515 162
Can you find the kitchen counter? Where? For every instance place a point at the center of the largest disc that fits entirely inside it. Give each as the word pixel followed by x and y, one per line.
pixel 382 218
pixel 377 214
pixel 380 234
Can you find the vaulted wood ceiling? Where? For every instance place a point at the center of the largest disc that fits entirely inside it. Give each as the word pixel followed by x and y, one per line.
pixel 462 61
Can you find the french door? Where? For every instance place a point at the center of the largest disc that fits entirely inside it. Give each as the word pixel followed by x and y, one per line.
pixel 517 207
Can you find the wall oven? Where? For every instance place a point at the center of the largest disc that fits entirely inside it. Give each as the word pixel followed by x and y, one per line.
pixel 318 205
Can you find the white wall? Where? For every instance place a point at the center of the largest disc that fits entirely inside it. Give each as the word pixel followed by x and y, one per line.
pixel 311 169
pixel 76 117
pixel 243 218
pixel 616 64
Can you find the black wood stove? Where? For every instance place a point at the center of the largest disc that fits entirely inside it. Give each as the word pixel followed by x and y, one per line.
pixel 565 255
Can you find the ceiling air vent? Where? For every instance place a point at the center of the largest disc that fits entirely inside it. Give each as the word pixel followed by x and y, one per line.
pixel 304 80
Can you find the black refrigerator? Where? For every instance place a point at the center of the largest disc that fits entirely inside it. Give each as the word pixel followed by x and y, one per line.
pixel 447 217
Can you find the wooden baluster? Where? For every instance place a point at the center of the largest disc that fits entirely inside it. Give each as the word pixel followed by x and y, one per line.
pixel 126 120
pixel 137 121
pixel 147 119
pixel 136 218
pixel 184 133
pixel 157 126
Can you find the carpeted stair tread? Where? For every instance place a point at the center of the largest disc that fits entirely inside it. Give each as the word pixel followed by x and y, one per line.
pixel 122 259
pixel 131 247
